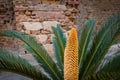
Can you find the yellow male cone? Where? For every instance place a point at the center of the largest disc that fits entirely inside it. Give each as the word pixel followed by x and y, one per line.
pixel 71 57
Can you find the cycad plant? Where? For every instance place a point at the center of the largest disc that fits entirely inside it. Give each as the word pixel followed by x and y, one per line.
pixel 84 58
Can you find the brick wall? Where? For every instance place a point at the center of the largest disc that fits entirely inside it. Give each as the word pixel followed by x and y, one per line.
pixel 36 19
pixel 98 9
pixel 33 18
pixel 7 21
pixel 6 14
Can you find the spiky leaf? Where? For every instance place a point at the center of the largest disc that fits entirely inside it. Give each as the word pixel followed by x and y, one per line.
pixel 85 40
pixel 59 41
pixel 103 76
pixel 101 43
pixel 43 57
pixel 109 33
pixel 13 63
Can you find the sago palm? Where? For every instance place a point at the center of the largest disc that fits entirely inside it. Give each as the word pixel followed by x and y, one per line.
pixel 84 58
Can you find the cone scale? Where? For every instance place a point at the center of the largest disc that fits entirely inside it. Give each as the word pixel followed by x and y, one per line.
pixel 71 57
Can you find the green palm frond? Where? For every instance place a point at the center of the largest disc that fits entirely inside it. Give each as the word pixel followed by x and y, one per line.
pixel 13 63
pixel 43 59
pixel 59 42
pixel 100 44
pixel 117 79
pixel 108 38
pixel 103 76
pixel 85 40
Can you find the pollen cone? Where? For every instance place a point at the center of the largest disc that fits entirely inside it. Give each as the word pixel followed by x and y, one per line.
pixel 71 57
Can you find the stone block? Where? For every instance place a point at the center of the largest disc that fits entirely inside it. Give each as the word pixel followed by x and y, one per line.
pixel 35 32
pixel 45 32
pixel 18 27
pixel 48 24
pixel 27 31
pixel 28 13
pixel 49 48
pixel 42 38
pixel 52 7
pixel 44 15
pixel 32 25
